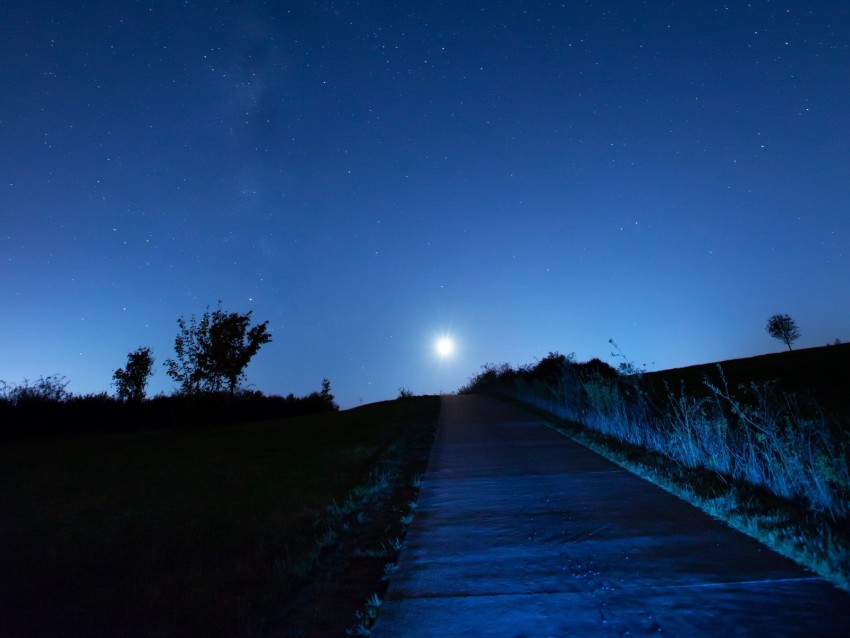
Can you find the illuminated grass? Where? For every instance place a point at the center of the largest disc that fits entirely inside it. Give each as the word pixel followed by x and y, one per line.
pixel 811 539
pixel 764 446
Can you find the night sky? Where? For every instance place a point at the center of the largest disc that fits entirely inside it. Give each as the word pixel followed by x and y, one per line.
pixel 523 176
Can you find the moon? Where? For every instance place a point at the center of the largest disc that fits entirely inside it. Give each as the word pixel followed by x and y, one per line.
pixel 445 347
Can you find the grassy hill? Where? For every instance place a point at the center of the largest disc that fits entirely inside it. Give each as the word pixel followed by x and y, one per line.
pixel 207 532
pixel 820 373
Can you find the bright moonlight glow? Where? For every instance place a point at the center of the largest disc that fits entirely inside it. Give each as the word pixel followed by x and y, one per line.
pixel 445 347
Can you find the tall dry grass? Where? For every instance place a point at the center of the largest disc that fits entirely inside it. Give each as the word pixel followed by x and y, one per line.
pixel 754 433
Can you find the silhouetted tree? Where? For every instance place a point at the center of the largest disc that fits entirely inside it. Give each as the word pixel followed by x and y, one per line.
pixel 212 353
pixel 784 328
pixel 326 396
pixel 130 382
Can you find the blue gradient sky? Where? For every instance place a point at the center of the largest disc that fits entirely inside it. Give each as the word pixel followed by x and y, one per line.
pixel 526 176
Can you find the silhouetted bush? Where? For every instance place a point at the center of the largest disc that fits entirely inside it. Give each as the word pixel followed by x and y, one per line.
pixel 549 369
pixel 596 369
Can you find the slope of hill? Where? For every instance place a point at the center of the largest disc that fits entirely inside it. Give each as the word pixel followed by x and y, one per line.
pixel 821 373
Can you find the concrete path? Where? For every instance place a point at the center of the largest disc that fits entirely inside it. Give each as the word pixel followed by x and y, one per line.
pixel 520 531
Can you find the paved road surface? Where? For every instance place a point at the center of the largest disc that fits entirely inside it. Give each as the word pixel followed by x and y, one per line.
pixel 522 532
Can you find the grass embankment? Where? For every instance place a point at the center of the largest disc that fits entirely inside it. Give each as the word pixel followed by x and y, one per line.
pixel 762 443
pixel 810 538
pixel 210 532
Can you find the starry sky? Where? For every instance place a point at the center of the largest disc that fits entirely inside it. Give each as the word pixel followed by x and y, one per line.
pixel 369 177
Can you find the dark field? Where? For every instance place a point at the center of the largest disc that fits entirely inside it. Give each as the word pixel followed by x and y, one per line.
pixel 204 533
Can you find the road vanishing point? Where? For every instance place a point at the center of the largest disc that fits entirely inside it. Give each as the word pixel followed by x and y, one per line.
pixel 520 531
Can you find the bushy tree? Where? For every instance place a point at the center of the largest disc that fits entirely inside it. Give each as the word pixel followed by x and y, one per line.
pixel 784 328
pixel 212 353
pixel 130 382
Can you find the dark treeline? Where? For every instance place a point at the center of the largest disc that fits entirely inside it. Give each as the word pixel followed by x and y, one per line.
pixel 24 411
pixel 211 354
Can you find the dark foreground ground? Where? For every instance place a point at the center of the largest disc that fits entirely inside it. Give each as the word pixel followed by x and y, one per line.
pixel 520 531
pixel 276 528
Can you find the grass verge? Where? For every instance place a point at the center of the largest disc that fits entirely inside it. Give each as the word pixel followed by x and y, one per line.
pixel 344 594
pixel 809 538
pixel 209 532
